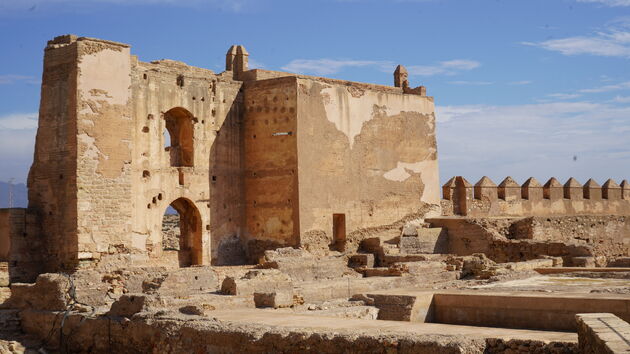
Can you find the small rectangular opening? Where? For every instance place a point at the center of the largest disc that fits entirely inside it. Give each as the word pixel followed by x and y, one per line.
pixel 181 177
pixel 339 232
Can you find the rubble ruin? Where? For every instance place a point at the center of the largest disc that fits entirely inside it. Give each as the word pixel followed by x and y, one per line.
pixel 176 210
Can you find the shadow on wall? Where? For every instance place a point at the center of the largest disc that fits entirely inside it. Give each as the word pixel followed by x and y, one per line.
pixel 226 189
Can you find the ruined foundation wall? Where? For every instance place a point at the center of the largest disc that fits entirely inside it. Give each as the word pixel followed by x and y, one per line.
pixel 608 235
pixel 365 151
pixel 271 165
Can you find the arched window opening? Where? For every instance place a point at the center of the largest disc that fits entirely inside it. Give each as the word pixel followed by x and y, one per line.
pixel 181 232
pixel 178 137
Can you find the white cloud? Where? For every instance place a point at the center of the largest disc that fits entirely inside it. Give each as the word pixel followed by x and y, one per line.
pixel 522 82
pixel 470 83
pixel 18 121
pixel 611 42
pixel 534 140
pixel 607 88
pixel 254 64
pixel 564 96
pixel 32 5
pixel 621 99
pixel 612 3
pixel 449 67
pixel 11 78
pixel 327 66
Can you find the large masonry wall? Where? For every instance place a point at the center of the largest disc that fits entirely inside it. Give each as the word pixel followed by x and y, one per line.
pixel 271 165
pixel 212 184
pixel 365 151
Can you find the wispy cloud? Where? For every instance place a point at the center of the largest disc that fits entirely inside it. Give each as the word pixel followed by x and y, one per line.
pixel 607 88
pixel 449 67
pixel 32 5
pixel 611 42
pixel 470 83
pixel 326 66
pixel 18 121
pixel 11 78
pixel 519 83
pixel 612 3
pixel 564 96
pixel 534 140
pixel 255 64
pixel 621 99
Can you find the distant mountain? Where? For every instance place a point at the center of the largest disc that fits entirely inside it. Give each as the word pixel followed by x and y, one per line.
pixel 20 195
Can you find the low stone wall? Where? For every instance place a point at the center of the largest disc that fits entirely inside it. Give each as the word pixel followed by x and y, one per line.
pixel 194 334
pixel 602 333
pixel 499 240
pixel 552 312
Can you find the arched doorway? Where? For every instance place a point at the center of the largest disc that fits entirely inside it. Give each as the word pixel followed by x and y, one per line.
pixel 181 232
pixel 178 137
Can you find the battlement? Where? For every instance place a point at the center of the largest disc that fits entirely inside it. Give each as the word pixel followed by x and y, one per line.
pixel 485 198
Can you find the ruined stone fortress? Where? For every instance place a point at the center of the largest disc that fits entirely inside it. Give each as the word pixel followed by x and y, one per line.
pixel 310 218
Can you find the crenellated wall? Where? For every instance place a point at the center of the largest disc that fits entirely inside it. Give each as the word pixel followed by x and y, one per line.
pixel 509 198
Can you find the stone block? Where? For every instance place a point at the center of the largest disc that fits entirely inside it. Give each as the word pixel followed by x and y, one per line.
pixel 361 260
pixel 276 299
pixel 182 282
pixel 300 265
pixel 587 262
pixel 260 280
pixel 51 292
pixel 130 304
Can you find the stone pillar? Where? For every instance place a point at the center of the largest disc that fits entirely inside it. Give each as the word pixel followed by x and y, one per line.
pixel 592 190
pixel 509 189
pixel 485 189
pixel 462 196
pixel 401 77
pixel 532 190
pixel 573 189
pixel 611 190
pixel 448 189
pixel 237 61
pixel 553 190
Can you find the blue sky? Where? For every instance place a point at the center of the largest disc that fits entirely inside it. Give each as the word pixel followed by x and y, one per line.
pixel 523 88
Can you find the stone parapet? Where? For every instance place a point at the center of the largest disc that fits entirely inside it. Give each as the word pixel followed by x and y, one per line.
pixel 533 199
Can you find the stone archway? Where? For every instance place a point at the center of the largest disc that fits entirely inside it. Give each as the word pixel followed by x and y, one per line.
pixel 180 129
pixel 190 248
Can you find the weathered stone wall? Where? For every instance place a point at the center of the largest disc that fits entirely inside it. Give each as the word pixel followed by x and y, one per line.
pixel 271 165
pixel 365 151
pixel 509 198
pixel 502 241
pixel 52 181
pixel 607 235
pixel 21 244
pixel 212 184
